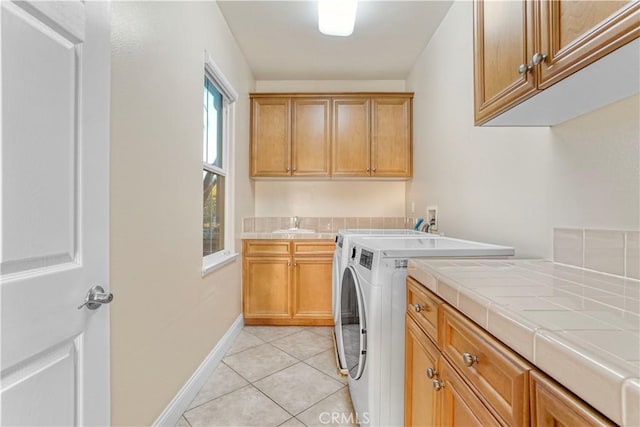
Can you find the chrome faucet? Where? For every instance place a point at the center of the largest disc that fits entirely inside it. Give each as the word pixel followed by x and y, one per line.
pixel 296 222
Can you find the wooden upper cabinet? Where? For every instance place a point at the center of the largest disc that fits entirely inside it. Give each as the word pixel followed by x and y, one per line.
pixel 522 47
pixel 351 148
pixel 324 135
pixel 503 40
pixel 391 136
pixel 270 137
pixel 574 34
pixel 311 141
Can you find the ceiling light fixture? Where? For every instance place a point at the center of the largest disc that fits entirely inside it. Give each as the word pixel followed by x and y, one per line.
pixel 337 17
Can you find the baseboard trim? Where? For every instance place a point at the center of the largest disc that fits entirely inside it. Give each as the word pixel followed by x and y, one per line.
pixel 172 413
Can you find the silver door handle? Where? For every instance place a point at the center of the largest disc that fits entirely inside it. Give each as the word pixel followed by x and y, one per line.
pixel 96 297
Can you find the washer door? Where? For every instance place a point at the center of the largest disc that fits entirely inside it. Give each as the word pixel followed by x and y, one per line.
pixel 353 323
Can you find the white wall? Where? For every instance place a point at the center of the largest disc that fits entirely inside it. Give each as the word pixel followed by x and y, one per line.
pixel 330 85
pixel 330 197
pixel 166 317
pixel 513 185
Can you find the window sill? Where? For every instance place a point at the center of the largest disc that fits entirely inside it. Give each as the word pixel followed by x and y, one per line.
pixel 211 265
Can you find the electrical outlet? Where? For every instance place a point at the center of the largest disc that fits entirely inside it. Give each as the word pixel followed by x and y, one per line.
pixel 413 207
pixel 432 217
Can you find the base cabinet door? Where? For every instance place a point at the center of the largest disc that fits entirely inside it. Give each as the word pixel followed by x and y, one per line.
pixel 422 402
pixel 552 405
pixel 311 295
pixel 461 407
pixel 266 288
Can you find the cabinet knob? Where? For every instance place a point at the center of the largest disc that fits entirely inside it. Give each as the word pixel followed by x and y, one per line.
pixel 469 359
pixel 432 373
pixel 417 308
pixel 374 169
pixel 295 169
pixel 288 168
pixel 295 264
pixel 438 385
pixel 288 263
pixel 368 169
pixel 523 68
pixel 538 58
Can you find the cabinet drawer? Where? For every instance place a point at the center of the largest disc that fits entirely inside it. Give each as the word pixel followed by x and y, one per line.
pixel 498 374
pixel 552 405
pixel 320 247
pixel 422 306
pixel 266 247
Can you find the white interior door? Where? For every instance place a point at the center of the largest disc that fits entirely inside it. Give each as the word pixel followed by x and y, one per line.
pixel 54 204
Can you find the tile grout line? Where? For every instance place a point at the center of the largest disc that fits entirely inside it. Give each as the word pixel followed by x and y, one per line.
pixel 252 383
pixel 224 394
pixel 323 399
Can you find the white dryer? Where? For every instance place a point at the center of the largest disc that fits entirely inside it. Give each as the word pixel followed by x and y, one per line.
pixel 373 305
pixel 340 259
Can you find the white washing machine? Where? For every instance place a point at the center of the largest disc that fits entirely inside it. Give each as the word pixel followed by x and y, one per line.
pixel 373 305
pixel 340 259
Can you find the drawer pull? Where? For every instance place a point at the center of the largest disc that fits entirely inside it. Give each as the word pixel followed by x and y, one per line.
pixel 417 308
pixel 469 359
pixel 438 385
pixel 432 373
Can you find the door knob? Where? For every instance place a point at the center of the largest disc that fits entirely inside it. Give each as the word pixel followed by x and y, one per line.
pixel 96 297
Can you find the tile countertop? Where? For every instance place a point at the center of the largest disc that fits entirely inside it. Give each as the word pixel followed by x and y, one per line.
pixel 288 236
pixel 578 326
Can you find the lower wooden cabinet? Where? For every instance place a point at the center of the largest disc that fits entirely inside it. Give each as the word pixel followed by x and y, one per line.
pixel 423 403
pixel 552 405
pixel 461 406
pixel 287 282
pixel 456 374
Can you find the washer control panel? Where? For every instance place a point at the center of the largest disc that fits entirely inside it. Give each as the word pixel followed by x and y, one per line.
pixel 366 259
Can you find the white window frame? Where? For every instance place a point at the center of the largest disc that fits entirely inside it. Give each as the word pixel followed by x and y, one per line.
pixel 227 255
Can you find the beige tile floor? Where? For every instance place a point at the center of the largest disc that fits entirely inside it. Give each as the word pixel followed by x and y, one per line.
pixel 275 376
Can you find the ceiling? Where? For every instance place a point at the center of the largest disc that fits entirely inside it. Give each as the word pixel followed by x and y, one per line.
pixel 281 41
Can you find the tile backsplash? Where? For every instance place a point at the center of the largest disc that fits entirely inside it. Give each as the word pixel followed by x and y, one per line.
pixel 324 224
pixel 608 251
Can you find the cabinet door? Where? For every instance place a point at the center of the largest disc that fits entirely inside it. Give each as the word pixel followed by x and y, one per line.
pixel 312 290
pixel 552 405
pixel 350 152
pixel 461 407
pixel 266 288
pixel 270 137
pixel 503 40
pixel 497 373
pixel 311 136
pixel 391 137
pixel 422 404
pixel 574 33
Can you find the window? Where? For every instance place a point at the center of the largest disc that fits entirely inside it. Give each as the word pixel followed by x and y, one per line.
pixel 216 147
pixel 214 170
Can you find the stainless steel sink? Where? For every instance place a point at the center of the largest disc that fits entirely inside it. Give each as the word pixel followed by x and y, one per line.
pixel 294 231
